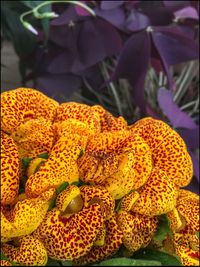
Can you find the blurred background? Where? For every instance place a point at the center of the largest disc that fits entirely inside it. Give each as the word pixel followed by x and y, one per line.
pixel 135 58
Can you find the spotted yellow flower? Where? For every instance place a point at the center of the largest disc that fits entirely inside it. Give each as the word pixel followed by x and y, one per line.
pixel 110 245
pixel 137 229
pixel 26 216
pixel 60 167
pixel 117 160
pixel 34 137
pixel 21 104
pixel 169 151
pixel 68 232
pixel 184 222
pixel 30 252
pixel 10 174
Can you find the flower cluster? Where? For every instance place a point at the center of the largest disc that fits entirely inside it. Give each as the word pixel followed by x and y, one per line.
pixel 94 160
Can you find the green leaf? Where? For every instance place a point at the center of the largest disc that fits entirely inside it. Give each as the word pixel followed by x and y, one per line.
pixel 197 234
pixel 52 203
pixel 76 183
pixel 25 162
pixel 66 263
pixel 62 187
pixel 151 254
pixel 52 262
pixel 81 183
pixel 118 204
pixel 163 229
pixel 127 262
pixel 43 155
pixel 24 41
pixel 81 153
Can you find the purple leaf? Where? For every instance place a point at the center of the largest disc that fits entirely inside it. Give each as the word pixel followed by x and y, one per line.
pixel 82 11
pixel 158 16
pixel 58 86
pixel 137 21
pixel 85 44
pixel 68 15
pixel 133 64
pixel 107 5
pixel 173 47
pixel 187 12
pixel 115 16
pixel 190 136
pixel 174 44
pixel 178 118
pixel 176 3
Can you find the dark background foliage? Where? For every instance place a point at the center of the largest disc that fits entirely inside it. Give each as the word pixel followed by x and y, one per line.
pixel 135 58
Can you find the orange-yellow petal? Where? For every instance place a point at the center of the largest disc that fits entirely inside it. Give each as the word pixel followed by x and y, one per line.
pixel 31 252
pixel 172 157
pixel 158 196
pixel 187 207
pixel 113 240
pixel 69 200
pixel 5 263
pixel 22 104
pixel 137 229
pixel 121 182
pixel 68 238
pixel 98 194
pixel 26 216
pixel 9 169
pixel 60 167
pixel 188 256
pixel 153 131
pixel 80 112
pixel 108 121
pixel 169 150
pixel 33 137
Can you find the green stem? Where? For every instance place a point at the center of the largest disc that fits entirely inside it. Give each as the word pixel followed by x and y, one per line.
pixel 35 12
pixel 66 1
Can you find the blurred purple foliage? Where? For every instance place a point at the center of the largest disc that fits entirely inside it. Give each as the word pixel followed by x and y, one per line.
pixel 136 32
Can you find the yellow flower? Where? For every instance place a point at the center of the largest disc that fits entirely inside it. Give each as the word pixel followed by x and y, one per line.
pixel 67 234
pixel 22 104
pixel 26 216
pixel 9 169
pixel 137 229
pixel 31 252
pixel 169 151
pixel 184 221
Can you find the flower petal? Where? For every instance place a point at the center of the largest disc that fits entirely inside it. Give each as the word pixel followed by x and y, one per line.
pixel 34 137
pixel 30 252
pixel 137 229
pixel 68 238
pixel 26 216
pixel 113 240
pixel 9 169
pixel 157 196
pixel 91 193
pixel 22 104
pixel 60 167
